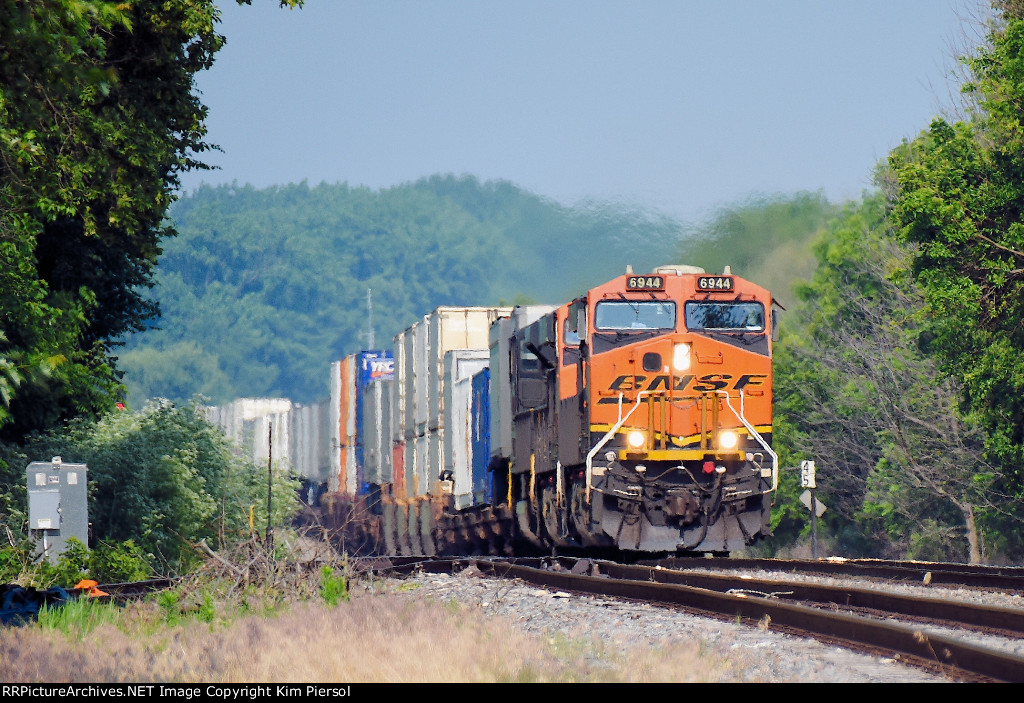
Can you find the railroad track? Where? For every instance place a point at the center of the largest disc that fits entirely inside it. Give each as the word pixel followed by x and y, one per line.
pixel 1006 578
pixel 847 616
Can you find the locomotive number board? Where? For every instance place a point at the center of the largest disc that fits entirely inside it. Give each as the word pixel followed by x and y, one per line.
pixel 645 283
pixel 714 283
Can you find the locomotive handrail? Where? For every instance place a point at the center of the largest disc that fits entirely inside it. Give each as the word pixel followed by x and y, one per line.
pixel 755 434
pixel 611 433
pixel 622 419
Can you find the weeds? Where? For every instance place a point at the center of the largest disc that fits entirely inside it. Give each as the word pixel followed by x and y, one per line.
pixel 78 617
pixel 332 588
pixel 249 616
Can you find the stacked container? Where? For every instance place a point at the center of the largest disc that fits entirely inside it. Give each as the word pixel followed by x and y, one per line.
pixel 501 378
pixel 349 379
pixel 420 390
pixel 377 398
pixel 460 366
pixel 249 422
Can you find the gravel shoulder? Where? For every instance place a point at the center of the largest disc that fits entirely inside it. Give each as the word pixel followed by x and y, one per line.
pixel 762 654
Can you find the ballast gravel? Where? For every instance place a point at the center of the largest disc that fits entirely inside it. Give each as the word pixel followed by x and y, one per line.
pixel 777 657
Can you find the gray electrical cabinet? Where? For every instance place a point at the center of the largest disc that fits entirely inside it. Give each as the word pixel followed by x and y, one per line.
pixel 58 505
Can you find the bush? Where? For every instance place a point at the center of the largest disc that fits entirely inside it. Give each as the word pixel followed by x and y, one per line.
pixel 161 480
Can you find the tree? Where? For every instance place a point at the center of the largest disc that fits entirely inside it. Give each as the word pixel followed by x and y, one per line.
pixel 97 118
pixel 958 192
pixel 861 398
pixel 165 478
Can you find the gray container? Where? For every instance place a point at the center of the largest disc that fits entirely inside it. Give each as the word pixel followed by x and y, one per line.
pixel 377 432
pixel 310 445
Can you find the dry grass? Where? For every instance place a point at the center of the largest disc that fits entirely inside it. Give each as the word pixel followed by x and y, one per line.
pixel 247 617
pixel 372 638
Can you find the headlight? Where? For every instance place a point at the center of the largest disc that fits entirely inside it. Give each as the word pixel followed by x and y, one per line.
pixel 636 439
pixel 728 439
pixel 681 357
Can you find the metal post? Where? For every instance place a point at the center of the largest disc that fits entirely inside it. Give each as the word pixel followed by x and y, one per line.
pixel 270 474
pixel 814 525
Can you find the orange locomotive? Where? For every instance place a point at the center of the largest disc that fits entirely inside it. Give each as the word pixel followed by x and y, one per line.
pixel 642 416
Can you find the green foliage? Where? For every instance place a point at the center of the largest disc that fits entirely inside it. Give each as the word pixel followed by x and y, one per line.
pixel 265 287
pixel 72 566
pixel 78 617
pixel 959 195
pixel 121 562
pixel 206 612
pixel 168 602
pixel 333 588
pixel 107 563
pixel 162 479
pixel 98 117
pixel 767 239
pixel 855 392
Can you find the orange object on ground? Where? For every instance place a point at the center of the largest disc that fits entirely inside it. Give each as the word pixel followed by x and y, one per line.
pixel 91 587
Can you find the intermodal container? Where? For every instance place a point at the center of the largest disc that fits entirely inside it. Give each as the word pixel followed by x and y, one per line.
pixel 480 444
pixel 459 368
pixel 419 433
pixel 349 378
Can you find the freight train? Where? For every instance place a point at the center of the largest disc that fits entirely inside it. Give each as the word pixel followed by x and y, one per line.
pixel 635 418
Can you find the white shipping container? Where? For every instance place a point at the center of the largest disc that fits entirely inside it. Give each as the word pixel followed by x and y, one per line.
pixel 247 422
pixel 459 368
pixel 452 328
pixel 310 442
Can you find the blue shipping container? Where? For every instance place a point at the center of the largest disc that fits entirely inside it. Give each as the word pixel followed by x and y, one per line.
pixel 481 440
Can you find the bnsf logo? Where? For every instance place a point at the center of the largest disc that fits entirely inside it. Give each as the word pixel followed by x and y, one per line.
pixel 704 384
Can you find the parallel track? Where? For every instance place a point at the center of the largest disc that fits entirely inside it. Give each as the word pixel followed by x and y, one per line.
pixel 954 657
pixel 1006 578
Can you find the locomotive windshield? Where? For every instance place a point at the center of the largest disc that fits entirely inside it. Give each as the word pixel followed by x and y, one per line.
pixel 739 317
pixel 635 315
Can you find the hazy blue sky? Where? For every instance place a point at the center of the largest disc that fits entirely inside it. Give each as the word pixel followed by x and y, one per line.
pixel 677 105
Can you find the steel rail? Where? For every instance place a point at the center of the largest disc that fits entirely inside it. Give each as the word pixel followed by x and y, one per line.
pixel 960 612
pixel 1003 578
pixel 950 654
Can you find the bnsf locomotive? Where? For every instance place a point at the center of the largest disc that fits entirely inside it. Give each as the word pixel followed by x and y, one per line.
pixel 637 417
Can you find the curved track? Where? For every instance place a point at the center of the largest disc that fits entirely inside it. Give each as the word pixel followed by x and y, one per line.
pixel 731 597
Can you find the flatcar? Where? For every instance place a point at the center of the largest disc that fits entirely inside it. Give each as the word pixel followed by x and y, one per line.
pixel 636 417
